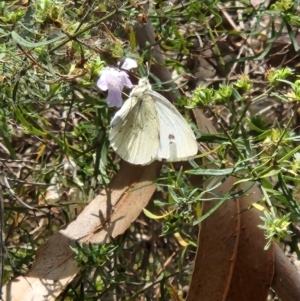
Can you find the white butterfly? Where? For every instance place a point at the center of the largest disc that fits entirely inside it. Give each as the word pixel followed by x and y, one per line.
pixel 148 128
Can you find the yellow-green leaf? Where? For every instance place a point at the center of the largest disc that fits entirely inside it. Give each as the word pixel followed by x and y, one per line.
pixel 153 216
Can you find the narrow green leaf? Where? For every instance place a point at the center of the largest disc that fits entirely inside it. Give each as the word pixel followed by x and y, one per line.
pixel 289 197
pixel 290 154
pixel 276 33
pixel 26 124
pixel 293 179
pixel 172 195
pixel 263 135
pixel 253 126
pixel 237 96
pixel 291 34
pixel 153 216
pixel 132 40
pixel 228 196
pixel 246 141
pixel 211 211
pixel 9 147
pixel 266 184
pixel 244 180
pixel 271 173
pixel 19 40
pixel 214 172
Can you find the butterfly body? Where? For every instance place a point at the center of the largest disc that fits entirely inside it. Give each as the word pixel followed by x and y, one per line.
pixel 148 128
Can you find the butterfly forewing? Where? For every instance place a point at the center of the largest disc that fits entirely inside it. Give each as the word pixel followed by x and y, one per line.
pixel 177 140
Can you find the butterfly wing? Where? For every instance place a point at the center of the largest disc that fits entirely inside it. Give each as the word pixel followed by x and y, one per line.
pixel 134 132
pixel 177 141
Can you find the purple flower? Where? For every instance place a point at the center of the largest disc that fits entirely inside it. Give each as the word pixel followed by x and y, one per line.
pixel 113 80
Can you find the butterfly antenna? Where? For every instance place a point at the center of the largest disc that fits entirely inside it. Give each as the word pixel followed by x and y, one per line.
pixel 148 69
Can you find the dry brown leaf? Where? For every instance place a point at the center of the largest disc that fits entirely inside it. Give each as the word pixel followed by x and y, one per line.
pixel 108 215
pixel 231 263
pixel 286 279
pixel 254 267
pixel 217 249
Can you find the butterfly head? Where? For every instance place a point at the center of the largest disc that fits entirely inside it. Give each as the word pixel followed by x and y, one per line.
pixel 144 83
pixel 142 87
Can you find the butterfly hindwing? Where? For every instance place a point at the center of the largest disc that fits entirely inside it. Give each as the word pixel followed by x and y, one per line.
pixel 134 133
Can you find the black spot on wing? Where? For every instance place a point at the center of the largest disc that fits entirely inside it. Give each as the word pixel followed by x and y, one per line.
pixel 171 138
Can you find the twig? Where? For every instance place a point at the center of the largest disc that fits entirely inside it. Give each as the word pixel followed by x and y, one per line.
pixel 17 161
pixel 1 241
pixel 3 249
pixel 30 183
pixel 13 194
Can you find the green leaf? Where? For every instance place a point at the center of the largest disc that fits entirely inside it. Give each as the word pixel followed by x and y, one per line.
pixel 252 126
pixel 244 180
pixel 271 173
pixel 27 125
pixel 291 34
pixel 19 40
pixel 293 179
pixel 132 40
pixel 246 141
pixel 214 172
pixel 211 211
pixel 153 216
pixel 266 184
pixel 9 147
pixel 276 33
pixel 230 195
pixel 290 154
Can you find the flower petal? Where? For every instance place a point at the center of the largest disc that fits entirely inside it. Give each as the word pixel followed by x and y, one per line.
pixel 102 83
pixel 129 64
pixel 125 79
pixel 114 98
pixel 113 80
